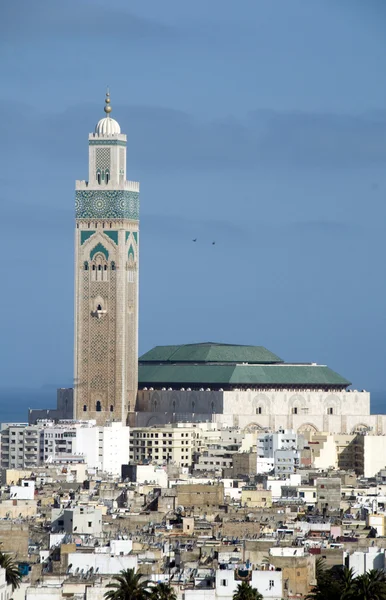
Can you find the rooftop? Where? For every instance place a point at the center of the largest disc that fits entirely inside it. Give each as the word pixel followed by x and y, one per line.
pixel 229 365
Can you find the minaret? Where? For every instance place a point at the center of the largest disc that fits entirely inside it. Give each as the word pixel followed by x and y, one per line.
pixel 106 280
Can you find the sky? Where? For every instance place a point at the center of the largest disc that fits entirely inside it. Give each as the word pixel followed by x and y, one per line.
pixel 260 125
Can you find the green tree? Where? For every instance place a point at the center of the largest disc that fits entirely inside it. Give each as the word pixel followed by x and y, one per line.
pixel 127 586
pixel 12 574
pixel 371 586
pixel 162 591
pixel 246 592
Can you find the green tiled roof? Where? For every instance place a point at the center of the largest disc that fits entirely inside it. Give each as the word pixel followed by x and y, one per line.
pixel 210 352
pixel 254 375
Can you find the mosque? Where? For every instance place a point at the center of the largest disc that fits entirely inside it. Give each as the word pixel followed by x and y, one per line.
pixel 243 386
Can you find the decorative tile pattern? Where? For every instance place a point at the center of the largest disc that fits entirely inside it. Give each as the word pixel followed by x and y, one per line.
pixel 99 248
pixel 106 143
pixel 102 158
pixel 85 235
pixel 107 204
pixel 113 235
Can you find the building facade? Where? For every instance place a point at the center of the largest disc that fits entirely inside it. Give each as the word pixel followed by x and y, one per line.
pixel 106 280
pixel 168 444
pixel 247 387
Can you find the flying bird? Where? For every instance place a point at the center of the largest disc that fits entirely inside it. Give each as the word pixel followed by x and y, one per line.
pixel 213 243
pixel 195 240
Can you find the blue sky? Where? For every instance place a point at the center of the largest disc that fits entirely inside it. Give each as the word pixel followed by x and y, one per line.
pixel 260 124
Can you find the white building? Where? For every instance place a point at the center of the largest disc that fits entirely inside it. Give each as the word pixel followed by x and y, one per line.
pixel 279 450
pixel 268 583
pixel 107 560
pixel 81 520
pixel 362 562
pixel 105 448
pixel 174 443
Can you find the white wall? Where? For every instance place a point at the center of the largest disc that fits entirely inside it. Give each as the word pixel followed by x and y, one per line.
pixel 25 491
pixel 375 454
pixel 106 564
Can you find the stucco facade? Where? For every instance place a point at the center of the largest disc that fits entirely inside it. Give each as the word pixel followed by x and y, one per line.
pixel 106 280
pixel 333 411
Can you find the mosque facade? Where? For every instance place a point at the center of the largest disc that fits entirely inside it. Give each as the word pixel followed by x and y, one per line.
pixel 106 280
pixel 234 386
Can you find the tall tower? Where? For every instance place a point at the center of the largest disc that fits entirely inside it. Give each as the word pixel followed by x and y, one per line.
pixel 106 280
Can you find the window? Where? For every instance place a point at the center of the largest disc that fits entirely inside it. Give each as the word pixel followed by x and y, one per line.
pixel 112 265
pixel 90 523
pixel 85 265
pixel 84 407
pixel 330 410
pixel 224 582
pixel 111 408
pixel 98 406
pixel 258 410
pixel 295 410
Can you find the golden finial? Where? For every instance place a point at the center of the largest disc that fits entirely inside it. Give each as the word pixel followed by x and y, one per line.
pixel 107 108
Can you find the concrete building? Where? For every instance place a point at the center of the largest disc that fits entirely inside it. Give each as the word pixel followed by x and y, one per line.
pixel 280 451
pixel 82 520
pixel 20 446
pixel 174 443
pixel 268 583
pixel 216 452
pixel 64 408
pixel 105 448
pixel 328 493
pixel 364 561
pixel 106 280
pixel 256 497
pixel 247 387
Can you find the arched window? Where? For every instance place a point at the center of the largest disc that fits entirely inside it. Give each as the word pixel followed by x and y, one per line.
pixel 105 267
pixel 111 408
pixel 99 307
pixel 98 176
pixel 107 175
pixel 112 265
pixel 93 267
pixel 85 265
pixel 98 406
pixel 99 267
pixel 84 407
pixel 258 410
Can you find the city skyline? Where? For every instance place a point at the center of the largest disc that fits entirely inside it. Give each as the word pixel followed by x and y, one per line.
pixel 282 162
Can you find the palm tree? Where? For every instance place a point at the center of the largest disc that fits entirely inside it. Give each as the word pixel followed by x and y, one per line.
pixel 371 586
pixel 246 592
pixel 12 575
pixel 162 591
pixel 347 583
pixel 127 586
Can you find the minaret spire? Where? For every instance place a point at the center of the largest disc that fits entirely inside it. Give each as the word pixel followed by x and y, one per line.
pixel 107 108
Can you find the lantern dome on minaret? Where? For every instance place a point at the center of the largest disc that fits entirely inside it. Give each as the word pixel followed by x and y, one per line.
pixel 107 126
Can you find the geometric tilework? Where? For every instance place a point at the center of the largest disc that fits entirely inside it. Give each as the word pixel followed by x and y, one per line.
pixel 135 234
pixel 111 204
pixel 84 235
pixel 102 158
pixel 127 235
pixel 131 251
pixel 112 235
pixel 99 248
pixel 106 143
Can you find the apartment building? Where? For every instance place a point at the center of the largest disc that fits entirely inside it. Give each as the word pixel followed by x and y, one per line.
pixel 174 443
